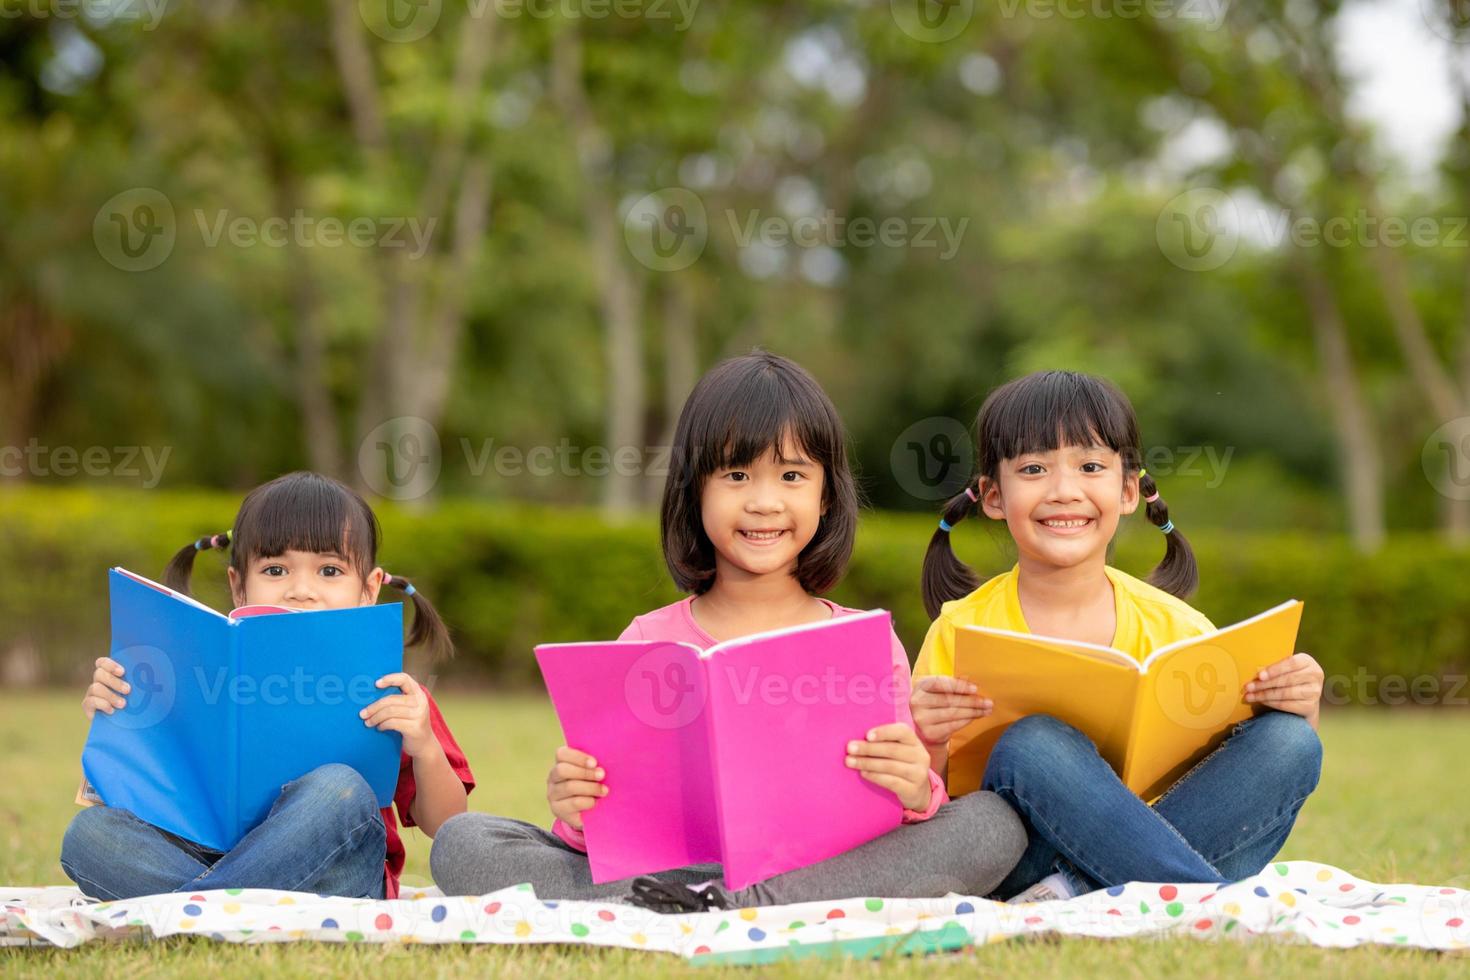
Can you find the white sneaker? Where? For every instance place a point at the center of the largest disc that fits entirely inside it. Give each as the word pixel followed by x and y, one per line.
pixel 1052 888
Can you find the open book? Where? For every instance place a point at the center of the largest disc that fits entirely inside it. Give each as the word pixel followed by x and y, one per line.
pixel 1151 721
pixel 224 710
pixel 733 754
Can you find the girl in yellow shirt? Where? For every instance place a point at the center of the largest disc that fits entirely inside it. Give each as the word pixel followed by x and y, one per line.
pixel 1058 459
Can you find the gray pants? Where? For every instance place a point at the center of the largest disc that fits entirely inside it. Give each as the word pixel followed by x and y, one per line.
pixel 967 847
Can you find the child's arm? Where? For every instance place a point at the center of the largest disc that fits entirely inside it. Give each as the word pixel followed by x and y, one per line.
pixel 439 792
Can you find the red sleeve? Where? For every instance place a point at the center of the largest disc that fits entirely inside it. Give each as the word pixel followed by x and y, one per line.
pixel 407 789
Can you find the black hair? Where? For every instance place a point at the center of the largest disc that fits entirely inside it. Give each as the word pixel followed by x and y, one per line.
pixel 740 411
pixel 1038 413
pixel 306 511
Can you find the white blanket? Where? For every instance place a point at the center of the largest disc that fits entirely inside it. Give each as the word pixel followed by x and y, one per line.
pixel 1296 901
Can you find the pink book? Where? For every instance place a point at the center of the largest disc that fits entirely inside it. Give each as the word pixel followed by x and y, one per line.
pixel 733 754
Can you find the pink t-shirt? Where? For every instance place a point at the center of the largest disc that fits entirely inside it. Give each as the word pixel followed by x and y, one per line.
pixel 675 623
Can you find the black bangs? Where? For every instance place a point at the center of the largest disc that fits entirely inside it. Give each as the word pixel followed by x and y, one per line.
pixel 1051 409
pixel 305 512
pixel 739 412
pixel 748 410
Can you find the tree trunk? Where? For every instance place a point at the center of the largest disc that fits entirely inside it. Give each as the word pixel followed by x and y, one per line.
pixel 620 298
pixel 1362 467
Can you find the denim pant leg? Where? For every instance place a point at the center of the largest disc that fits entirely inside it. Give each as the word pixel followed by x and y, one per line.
pixel 113 855
pixel 1076 807
pixel 1237 806
pixel 324 834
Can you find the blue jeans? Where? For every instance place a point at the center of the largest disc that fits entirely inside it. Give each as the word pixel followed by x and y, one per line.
pixel 1222 821
pixel 324 834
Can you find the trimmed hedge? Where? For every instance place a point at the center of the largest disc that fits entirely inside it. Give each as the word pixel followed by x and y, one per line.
pixel 507 577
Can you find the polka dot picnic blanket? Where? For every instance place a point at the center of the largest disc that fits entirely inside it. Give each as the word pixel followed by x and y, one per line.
pixel 1296 901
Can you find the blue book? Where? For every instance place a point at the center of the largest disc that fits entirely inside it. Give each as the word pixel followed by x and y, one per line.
pixel 225 710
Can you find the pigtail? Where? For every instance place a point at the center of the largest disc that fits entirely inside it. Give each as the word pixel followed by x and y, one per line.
pixel 428 630
pixel 945 576
pixel 181 566
pixel 1178 572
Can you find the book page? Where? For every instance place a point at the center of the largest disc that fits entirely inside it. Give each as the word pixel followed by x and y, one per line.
pixel 1192 695
pixel 1093 689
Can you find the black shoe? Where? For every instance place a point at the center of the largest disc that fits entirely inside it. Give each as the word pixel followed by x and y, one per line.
pixel 668 898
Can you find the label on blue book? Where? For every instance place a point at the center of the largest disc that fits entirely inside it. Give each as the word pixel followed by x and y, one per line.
pixel 224 711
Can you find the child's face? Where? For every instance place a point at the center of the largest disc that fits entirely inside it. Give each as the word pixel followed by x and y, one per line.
pixel 760 517
pixel 304 580
pixel 1062 507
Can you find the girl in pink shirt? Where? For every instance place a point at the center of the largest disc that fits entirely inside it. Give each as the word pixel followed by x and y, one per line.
pixel 758 518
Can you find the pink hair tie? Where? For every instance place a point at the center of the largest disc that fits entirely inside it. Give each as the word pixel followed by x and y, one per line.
pixel 1149 500
pixel 971 494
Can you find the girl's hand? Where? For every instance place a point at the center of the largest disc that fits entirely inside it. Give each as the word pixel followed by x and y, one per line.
pixel 105 692
pixel 573 786
pixel 943 705
pixel 894 758
pixel 1293 685
pixel 406 713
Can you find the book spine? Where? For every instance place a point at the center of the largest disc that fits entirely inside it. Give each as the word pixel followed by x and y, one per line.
pixel 711 734
pixel 231 740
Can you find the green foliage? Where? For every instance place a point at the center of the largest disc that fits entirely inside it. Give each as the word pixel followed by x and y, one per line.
pixel 509 577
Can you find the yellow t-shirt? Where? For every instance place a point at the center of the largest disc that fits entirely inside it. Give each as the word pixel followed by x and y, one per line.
pixel 1148 618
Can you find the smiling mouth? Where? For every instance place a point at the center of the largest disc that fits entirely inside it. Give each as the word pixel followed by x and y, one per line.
pixel 1066 525
pixel 761 537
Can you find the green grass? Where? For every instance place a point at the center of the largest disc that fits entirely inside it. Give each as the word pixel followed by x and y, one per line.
pixel 1391 807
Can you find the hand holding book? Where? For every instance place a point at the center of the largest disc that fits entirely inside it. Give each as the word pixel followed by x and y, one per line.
pixel 573 786
pixel 943 705
pixel 891 756
pixel 1293 684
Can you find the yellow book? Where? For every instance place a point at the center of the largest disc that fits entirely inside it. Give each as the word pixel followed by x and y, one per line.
pixel 1151 721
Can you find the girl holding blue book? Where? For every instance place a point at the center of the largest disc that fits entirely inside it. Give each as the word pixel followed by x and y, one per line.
pixel 302 541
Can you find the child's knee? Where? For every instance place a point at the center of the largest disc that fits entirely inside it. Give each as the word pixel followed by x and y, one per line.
pixel 1039 742
pixel 1291 744
pixel 999 835
pixel 86 835
pixel 336 788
